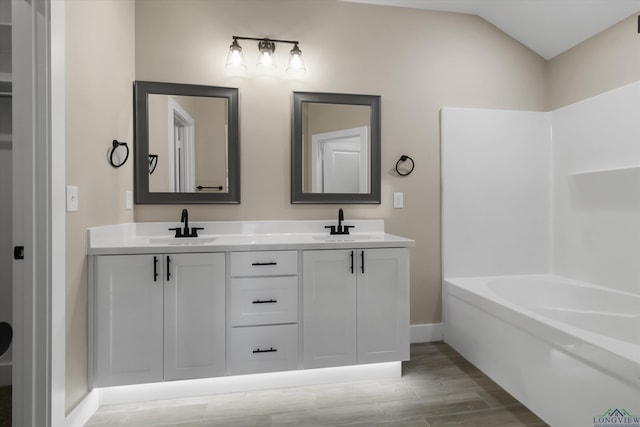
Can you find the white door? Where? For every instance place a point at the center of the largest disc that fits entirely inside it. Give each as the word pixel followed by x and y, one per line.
pixel 329 308
pixel 129 320
pixel 341 166
pixel 194 315
pixel 340 161
pixel 383 305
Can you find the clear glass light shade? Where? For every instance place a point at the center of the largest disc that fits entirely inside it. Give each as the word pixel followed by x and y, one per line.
pixel 235 58
pixel 265 59
pixel 296 63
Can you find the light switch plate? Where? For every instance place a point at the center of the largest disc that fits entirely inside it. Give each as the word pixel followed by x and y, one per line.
pixel 72 198
pixel 128 199
pixel 398 200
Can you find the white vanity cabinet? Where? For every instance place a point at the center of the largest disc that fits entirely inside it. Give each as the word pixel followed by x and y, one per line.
pixel 245 297
pixel 355 306
pixel 263 314
pixel 158 317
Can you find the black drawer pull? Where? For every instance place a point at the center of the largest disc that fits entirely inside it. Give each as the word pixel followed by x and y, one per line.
pixel 265 301
pixel 271 350
pixel 264 263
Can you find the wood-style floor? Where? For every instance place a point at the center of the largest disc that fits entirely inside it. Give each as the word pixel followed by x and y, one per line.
pixel 438 388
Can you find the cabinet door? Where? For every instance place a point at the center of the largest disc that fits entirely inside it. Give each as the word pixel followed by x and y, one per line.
pixel 128 322
pixel 329 308
pixel 194 315
pixel 383 305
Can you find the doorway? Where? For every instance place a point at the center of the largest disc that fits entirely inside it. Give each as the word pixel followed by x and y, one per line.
pixel 181 148
pixel 6 217
pixel 38 195
pixel 339 161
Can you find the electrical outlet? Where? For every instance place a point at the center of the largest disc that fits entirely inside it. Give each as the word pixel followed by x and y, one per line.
pixel 398 200
pixel 72 198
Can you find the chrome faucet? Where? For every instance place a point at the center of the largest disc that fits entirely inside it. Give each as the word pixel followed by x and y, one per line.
pixel 186 232
pixel 339 229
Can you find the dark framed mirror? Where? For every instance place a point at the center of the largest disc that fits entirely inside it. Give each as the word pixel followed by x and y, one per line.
pixel 191 131
pixel 335 148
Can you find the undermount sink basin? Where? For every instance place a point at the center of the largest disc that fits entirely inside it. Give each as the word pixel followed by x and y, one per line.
pixel 342 237
pixel 181 241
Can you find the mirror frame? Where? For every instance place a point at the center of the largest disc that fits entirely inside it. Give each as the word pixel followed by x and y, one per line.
pixel 142 90
pixel 297 195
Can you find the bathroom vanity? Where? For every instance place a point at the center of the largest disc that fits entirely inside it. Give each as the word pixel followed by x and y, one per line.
pixel 243 298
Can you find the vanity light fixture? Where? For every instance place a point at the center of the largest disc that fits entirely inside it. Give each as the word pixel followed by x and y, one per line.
pixel 266 47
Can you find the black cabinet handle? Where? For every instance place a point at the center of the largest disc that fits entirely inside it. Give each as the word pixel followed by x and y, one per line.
pixel 264 263
pixel 351 262
pixel 267 301
pixel 155 268
pixel 271 350
pixel 168 268
pixel 362 261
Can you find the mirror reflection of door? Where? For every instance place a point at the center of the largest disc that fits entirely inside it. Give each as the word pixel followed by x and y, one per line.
pixel 190 137
pixel 336 140
pixel 181 148
pixel 339 161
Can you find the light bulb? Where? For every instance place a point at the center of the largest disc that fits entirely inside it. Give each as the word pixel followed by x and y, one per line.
pixel 296 63
pixel 235 58
pixel 266 48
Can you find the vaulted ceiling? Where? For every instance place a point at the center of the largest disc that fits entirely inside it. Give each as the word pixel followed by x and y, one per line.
pixel 548 27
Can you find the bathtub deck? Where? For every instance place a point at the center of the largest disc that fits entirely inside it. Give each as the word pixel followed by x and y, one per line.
pixel 438 388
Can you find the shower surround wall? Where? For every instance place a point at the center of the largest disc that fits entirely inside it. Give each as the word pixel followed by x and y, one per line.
pixel 495 196
pixel 596 206
pixel 508 209
pixel 496 184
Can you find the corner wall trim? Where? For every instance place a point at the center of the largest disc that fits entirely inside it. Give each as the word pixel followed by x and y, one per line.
pixel 79 416
pixel 427 332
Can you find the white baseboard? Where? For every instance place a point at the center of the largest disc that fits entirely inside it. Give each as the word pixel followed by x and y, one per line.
pixel 428 332
pixel 79 416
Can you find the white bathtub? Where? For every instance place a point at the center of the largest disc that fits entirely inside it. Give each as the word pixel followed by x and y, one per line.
pixel 568 350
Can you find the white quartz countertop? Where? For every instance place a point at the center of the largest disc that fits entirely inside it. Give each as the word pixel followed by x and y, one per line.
pixel 223 236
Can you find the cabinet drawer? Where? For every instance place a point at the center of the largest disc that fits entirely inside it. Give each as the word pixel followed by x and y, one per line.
pixel 263 349
pixel 264 263
pixel 264 300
